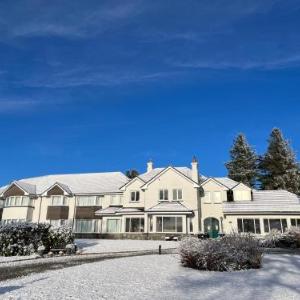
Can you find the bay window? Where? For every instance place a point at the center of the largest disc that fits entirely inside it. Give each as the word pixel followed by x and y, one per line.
pixel 249 225
pixel 58 201
pixel 134 225
pixel 18 201
pixel 89 200
pixel 87 226
pixel 58 223
pixel 295 222
pixel 113 225
pixel 275 224
pixel 168 224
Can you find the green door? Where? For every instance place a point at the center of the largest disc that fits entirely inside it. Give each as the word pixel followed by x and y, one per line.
pixel 211 226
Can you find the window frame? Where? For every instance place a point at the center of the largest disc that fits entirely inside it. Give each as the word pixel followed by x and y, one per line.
pixel 137 196
pixel 267 227
pixel 63 200
pixel 176 224
pixel 141 224
pixel 164 193
pixel 241 225
pixel 176 192
pixel 119 225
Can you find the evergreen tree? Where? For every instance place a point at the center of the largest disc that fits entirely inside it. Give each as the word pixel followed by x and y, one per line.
pixel 132 174
pixel 278 167
pixel 243 164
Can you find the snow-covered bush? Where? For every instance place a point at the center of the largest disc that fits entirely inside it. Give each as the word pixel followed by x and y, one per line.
pixel 232 252
pixel 289 239
pixel 22 238
pixel 59 237
pixel 28 238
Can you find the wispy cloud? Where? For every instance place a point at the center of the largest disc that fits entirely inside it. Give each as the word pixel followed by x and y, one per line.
pixel 244 64
pixel 87 76
pixel 68 19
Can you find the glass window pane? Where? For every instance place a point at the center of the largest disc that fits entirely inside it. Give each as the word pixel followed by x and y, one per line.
pixel 113 225
pixel 132 196
pixel 161 195
pixel 240 225
pixel 179 224
pixel 275 224
pixel 137 196
pixel 266 225
pixel 179 194
pixel 127 228
pixel 293 222
pixel 158 224
pixel 166 195
pixel 174 194
pixel 257 226
pixel 169 224
pixel 249 225
pixel 284 224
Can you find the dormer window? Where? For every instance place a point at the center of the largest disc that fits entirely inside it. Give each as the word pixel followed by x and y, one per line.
pixel 163 195
pixel 135 196
pixel 58 201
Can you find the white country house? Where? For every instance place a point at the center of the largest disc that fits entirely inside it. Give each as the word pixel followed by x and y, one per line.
pixel 158 203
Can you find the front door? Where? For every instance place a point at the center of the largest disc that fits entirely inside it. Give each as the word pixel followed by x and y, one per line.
pixel 211 226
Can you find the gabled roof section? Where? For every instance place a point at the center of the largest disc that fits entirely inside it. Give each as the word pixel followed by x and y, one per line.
pixel 241 184
pixel 163 171
pixel 229 183
pixel 215 181
pixel 62 186
pixel 122 188
pixel 170 207
pixel 27 188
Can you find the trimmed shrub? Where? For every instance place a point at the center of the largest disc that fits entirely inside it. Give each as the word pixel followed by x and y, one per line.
pixel 289 239
pixel 229 253
pixel 26 238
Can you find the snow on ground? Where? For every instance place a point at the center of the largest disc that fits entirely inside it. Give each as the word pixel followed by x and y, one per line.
pixel 6 259
pixel 159 277
pixel 104 245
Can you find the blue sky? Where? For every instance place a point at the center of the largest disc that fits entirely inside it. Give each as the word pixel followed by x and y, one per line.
pixel 89 86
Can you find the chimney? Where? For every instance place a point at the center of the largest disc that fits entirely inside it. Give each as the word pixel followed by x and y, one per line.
pixel 149 165
pixel 195 173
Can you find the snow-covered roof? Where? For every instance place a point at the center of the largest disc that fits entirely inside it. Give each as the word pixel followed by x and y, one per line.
pixel 227 182
pixel 149 175
pixel 90 183
pixel 117 210
pixel 278 201
pixel 169 206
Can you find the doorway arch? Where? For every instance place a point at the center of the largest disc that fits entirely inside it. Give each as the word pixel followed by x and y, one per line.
pixel 212 227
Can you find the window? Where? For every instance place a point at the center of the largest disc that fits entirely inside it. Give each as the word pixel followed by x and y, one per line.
pixel 295 222
pixel 207 197
pixel 89 200
pixel 18 201
pixel 135 196
pixel 87 226
pixel 134 225
pixel 113 225
pixel 275 224
pixel 58 200
pixel 249 225
pixel 191 225
pixel 163 195
pixel 151 223
pixel 58 223
pixel 168 224
pixel 177 194
pixel 217 197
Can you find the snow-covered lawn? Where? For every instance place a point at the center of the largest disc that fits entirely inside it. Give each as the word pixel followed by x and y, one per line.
pixel 104 246
pixel 159 277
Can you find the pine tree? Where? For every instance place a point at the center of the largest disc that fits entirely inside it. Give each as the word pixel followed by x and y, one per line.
pixel 132 173
pixel 278 167
pixel 243 164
